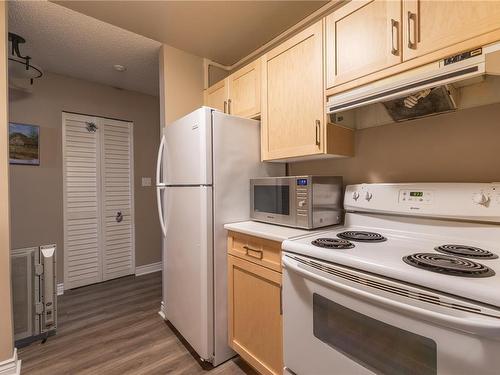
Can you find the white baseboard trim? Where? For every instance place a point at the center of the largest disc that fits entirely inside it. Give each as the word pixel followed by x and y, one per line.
pixel 148 268
pixel 60 289
pixel 11 366
pixel 162 311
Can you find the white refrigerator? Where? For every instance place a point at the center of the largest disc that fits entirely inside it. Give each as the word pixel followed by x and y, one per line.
pixel 204 165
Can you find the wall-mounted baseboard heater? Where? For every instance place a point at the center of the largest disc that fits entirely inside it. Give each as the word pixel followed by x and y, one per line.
pixel 34 293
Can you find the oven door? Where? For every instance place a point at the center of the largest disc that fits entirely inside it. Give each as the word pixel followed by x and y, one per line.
pixel 340 321
pixel 272 200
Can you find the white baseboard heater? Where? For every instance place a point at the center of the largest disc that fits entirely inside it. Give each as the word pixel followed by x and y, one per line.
pixel 34 293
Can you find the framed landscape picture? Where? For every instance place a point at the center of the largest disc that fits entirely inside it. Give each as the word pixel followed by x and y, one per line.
pixel 24 146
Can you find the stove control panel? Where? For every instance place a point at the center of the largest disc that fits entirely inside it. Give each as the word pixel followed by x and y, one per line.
pixel 415 196
pixel 464 201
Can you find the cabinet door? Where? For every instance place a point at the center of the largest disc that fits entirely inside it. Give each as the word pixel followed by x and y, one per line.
pixel 361 38
pixel 434 25
pixel 244 91
pixel 292 112
pixel 216 96
pixel 255 320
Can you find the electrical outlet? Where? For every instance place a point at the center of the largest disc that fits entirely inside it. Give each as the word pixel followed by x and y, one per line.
pixel 146 181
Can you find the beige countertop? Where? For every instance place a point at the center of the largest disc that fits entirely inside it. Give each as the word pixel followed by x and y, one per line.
pixel 269 231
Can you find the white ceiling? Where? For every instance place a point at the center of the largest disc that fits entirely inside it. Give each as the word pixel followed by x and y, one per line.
pixel 64 41
pixel 224 31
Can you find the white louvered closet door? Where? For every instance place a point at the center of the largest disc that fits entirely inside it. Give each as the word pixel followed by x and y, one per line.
pixel 117 198
pixel 82 210
pixel 98 199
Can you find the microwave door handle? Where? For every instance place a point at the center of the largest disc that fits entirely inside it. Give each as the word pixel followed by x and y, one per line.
pixel 483 326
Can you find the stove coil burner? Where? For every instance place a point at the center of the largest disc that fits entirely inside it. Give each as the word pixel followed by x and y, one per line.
pixel 448 265
pixel 332 243
pixel 362 236
pixel 466 251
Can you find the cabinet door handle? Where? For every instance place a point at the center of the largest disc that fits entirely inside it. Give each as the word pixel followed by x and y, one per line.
pixel 318 132
pixel 229 106
pixel 281 299
pixel 260 253
pixel 412 18
pixel 394 26
pixel 225 106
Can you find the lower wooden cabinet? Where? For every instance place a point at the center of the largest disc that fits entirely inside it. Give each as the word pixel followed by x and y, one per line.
pixel 255 314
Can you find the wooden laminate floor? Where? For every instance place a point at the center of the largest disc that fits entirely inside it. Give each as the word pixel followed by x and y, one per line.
pixel 114 328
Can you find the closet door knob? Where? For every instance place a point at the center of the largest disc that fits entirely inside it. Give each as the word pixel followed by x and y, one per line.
pixel 119 217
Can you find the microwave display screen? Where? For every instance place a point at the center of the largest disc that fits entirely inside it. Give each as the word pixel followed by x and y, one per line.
pixel 302 181
pixel 274 199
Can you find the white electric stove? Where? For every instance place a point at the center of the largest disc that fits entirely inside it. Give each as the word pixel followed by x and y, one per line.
pixel 410 284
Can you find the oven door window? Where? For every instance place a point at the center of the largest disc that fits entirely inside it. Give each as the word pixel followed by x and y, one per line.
pixel 273 199
pixel 380 347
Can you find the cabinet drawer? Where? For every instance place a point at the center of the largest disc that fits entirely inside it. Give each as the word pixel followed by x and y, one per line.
pixel 256 250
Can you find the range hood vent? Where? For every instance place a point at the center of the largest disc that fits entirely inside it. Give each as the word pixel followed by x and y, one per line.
pixel 426 91
pixel 421 104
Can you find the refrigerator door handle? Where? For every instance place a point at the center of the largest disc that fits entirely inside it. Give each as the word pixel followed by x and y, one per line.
pixel 160 186
pixel 159 160
pixel 160 210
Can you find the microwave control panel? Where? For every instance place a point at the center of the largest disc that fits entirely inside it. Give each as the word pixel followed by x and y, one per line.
pixel 302 199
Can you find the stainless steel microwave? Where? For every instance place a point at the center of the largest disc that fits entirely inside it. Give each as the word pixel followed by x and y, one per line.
pixel 300 201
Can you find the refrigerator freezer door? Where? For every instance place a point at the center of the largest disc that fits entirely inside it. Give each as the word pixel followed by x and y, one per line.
pixel 188 265
pixel 236 156
pixel 188 150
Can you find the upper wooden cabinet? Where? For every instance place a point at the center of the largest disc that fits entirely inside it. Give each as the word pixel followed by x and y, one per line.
pixel 368 40
pixel 244 91
pixel 362 37
pixel 216 96
pixel 293 115
pixel 238 94
pixel 435 25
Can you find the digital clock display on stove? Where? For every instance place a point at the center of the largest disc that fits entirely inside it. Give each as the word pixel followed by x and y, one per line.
pixel 416 193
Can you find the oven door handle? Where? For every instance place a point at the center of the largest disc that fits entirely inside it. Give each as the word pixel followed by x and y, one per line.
pixel 474 324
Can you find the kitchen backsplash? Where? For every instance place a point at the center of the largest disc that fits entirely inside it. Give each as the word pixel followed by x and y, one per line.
pixel 455 147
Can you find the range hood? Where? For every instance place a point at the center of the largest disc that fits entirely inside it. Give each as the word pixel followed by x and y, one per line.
pixel 462 81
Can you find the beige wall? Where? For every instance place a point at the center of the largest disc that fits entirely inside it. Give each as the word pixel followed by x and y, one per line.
pixel 181 83
pixel 456 147
pixel 36 192
pixel 6 338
